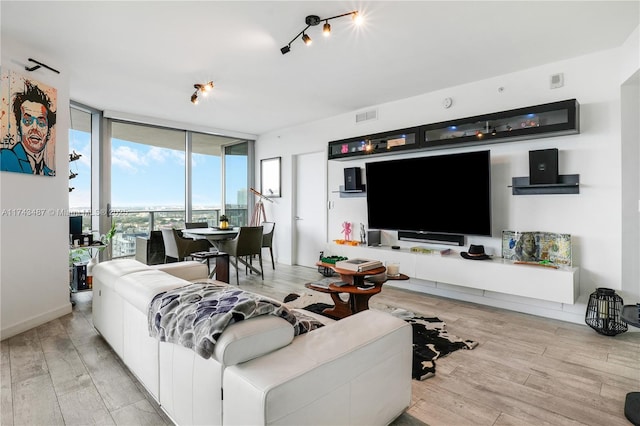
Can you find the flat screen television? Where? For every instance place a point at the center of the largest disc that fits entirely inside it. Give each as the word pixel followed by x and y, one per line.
pixel 444 194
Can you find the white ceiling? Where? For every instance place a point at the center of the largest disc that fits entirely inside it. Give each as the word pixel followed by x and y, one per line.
pixel 143 57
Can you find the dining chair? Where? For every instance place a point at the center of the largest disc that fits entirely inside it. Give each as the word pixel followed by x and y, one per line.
pixel 247 243
pixel 178 247
pixel 267 239
pixel 193 225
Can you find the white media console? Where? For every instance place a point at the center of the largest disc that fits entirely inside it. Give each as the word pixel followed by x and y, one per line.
pixel 494 275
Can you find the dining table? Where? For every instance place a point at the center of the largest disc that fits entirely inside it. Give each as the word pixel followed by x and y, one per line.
pixel 214 235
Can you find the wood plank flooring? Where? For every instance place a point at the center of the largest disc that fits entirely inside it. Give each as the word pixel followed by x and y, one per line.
pixel 526 370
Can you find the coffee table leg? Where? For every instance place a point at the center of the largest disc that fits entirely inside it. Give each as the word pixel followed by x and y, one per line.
pixel 341 309
pixel 360 302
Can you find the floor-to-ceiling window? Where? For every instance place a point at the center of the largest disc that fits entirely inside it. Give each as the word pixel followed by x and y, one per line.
pixel 162 178
pixel 147 182
pixel 80 165
pixel 206 173
pixel 237 175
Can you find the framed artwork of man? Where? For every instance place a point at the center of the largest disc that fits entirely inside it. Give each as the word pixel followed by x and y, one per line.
pixel 27 124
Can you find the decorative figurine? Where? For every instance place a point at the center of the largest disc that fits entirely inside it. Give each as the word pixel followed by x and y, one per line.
pixel 346 230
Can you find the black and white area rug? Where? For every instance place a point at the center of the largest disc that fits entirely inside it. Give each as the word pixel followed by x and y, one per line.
pixel 430 337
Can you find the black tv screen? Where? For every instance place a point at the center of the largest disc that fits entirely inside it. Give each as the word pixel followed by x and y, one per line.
pixel 448 194
pixel 75 224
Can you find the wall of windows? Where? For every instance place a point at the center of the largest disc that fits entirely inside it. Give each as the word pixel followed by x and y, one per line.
pixel 162 178
pixel 157 177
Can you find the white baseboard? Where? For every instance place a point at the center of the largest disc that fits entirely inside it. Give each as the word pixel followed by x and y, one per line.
pixel 35 321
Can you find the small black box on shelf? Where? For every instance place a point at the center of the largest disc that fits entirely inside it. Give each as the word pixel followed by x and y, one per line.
pixel 83 239
pixel 352 178
pixel 543 166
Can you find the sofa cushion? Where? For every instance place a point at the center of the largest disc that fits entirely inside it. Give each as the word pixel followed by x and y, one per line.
pixel 320 318
pixel 138 288
pixel 189 270
pixel 110 271
pixel 252 338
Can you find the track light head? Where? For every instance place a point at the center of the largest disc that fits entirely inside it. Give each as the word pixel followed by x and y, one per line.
pixel 326 29
pixel 285 49
pixel 306 39
pixel 356 17
pixel 194 98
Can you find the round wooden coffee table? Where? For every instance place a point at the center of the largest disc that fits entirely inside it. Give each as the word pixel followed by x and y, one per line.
pixel 357 290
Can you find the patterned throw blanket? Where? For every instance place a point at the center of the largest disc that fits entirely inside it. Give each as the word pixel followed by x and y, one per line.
pixel 195 315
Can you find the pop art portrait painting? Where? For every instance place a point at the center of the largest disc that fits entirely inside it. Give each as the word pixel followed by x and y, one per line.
pixel 27 122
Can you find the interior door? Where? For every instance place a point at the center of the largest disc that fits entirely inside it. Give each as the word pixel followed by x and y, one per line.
pixel 310 215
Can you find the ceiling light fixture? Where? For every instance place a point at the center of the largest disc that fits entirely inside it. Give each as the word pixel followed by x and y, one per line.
pixel 203 89
pixel 312 21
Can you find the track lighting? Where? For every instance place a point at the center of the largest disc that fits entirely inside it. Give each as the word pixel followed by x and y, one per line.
pixel 201 89
pixel 312 21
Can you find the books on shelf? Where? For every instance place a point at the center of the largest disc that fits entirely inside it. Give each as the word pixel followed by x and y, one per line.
pixel 358 265
pixel 325 282
pixel 427 250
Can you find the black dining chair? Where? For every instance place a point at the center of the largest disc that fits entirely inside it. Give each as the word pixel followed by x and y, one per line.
pixel 247 243
pixel 267 239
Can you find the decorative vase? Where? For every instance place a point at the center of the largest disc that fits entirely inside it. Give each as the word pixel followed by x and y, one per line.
pixel 224 224
pixel 92 262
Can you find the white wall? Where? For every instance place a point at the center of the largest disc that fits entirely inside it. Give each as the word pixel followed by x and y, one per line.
pixel 592 217
pixel 630 101
pixel 34 273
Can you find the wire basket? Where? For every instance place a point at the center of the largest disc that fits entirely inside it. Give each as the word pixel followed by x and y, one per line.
pixel 325 271
pixel 604 312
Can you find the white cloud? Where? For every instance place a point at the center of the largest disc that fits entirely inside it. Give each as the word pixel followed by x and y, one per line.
pixel 178 156
pixel 158 155
pixel 127 158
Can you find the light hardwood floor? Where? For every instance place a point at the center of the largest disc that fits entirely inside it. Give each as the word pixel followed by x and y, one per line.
pixel 526 370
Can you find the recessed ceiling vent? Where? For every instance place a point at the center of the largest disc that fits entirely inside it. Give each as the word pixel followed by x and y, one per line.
pixel 368 115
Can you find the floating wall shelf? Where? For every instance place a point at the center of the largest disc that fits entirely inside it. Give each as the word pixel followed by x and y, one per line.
pixel 567 184
pixel 353 193
pixel 538 121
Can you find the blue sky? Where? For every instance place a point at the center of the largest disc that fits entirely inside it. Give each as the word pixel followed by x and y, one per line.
pixel 147 176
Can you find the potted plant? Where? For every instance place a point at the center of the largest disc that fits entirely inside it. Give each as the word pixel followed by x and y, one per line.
pixel 224 222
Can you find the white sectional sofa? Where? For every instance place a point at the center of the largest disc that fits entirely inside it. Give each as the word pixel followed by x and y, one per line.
pixel 353 371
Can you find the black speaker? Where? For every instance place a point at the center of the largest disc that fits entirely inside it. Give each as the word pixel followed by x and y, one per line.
pixel 543 166
pixel 434 237
pixel 352 178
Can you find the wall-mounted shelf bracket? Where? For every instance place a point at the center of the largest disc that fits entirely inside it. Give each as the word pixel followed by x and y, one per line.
pixel 567 184
pixel 354 193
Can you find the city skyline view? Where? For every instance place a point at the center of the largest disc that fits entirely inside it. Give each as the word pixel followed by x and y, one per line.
pixel 150 177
